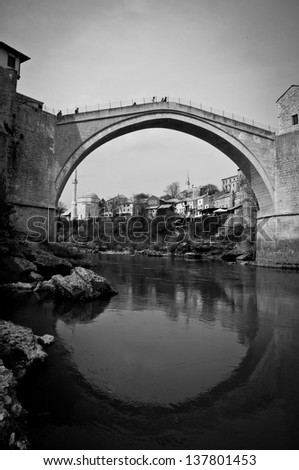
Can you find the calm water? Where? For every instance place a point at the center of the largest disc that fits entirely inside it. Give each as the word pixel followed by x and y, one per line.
pixel 187 355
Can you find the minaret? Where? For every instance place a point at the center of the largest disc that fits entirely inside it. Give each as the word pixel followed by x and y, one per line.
pixel 74 214
pixel 188 182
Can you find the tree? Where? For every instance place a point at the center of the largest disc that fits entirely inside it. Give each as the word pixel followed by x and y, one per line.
pixel 173 189
pixel 102 206
pixel 140 203
pixel 209 188
pixel 61 208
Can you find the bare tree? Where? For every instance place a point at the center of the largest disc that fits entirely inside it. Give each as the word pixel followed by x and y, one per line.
pixel 173 189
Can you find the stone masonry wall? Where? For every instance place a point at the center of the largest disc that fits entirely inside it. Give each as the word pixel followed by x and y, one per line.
pixel 27 156
pixel 287 172
pixel 288 105
pixel 8 81
pixel 31 163
pixel 278 237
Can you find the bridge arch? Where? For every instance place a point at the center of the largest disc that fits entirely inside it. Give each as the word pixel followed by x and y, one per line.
pixel 217 135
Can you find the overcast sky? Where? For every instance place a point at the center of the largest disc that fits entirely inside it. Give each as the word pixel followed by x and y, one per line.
pixel 236 55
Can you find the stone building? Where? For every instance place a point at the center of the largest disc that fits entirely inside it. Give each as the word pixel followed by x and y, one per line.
pixel 11 59
pixel 230 183
pixel 224 200
pixel 88 206
pixel 152 205
pixel 288 109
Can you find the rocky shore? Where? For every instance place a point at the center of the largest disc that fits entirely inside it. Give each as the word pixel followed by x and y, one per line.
pixel 62 271
pixel 228 252
pixel 20 349
pixel 30 263
pixel 81 284
pixel 57 270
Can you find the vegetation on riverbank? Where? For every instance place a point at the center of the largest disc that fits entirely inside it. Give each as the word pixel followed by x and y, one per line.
pixel 212 236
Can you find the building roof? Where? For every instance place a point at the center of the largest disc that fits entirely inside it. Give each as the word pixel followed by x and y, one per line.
pixel 173 200
pixel 207 210
pixel 286 92
pixel 119 198
pixel 10 49
pixel 89 195
pixel 222 196
pixel 231 209
pixel 228 177
pixel 128 201
pixel 165 206
pixel 200 197
pixel 219 210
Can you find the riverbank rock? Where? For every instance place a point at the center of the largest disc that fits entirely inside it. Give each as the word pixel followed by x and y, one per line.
pixel 48 264
pixel 249 255
pixel 35 277
pixel 81 284
pixel 18 287
pixel 19 347
pixel 192 255
pixel 21 259
pixel 231 256
pixel 45 340
pixel 12 414
pixel 14 269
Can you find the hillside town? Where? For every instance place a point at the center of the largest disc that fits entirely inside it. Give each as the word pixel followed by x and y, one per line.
pixel 190 204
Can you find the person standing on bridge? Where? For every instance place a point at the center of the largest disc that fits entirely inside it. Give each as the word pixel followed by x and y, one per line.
pixel 77 110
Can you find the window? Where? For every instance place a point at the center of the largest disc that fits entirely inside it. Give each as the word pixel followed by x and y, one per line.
pixel 11 61
pixel 295 119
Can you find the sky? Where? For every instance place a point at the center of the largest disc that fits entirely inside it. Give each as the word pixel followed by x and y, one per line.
pixel 234 55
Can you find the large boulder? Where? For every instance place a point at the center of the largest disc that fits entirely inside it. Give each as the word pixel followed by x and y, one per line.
pixel 81 284
pixel 19 347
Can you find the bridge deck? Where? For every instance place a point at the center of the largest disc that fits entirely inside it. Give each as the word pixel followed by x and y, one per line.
pixel 121 109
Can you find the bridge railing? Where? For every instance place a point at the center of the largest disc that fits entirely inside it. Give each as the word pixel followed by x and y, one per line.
pixel 157 99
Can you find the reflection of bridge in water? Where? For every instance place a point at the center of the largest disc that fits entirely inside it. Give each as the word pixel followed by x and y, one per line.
pixel 243 300
pixel 261 392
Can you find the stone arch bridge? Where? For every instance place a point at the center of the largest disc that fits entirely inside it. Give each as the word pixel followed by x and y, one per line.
pixel 250 147
pixel 42 150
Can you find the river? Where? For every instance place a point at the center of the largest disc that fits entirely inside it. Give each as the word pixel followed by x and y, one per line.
pixel 188 355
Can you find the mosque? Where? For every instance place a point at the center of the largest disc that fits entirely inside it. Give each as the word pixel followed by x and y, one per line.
pixel 86 205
